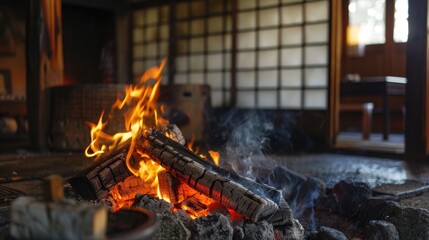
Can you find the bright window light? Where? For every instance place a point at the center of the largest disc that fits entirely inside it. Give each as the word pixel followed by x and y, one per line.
pixel 367 22
pixel 400 31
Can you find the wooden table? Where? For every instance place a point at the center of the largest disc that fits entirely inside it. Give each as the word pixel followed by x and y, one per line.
pixel 385 87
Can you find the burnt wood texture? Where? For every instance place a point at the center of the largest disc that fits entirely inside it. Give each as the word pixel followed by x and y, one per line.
pixel 187 167
pixel 96 181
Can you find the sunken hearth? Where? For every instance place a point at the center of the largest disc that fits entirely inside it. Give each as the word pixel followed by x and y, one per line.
pixel 310 208
pixel 146 182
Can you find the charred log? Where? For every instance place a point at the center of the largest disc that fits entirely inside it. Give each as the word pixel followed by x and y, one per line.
pixel 189 168
pixel 96 181
pixel 168 186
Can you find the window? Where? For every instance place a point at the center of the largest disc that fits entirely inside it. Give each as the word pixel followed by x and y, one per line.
pixel 281 53
pixel 400 30
pixel 367 21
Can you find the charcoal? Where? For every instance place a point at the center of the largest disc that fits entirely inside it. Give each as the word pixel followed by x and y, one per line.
pixel 326 233
pixel 410 222
pixel 215 226
pixel 262 230
pixel 350 195
pixel 152 203
pixel 238 233
pixel 186 219
pixel 380 230
pixel 292 232
pixel 171 228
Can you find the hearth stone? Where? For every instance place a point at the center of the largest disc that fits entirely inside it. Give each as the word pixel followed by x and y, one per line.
pixel 327 203
pixel 350 195
pixel 262 230
pixel 171 227
pixel 406 190
pixel 213 227
pixel 326 233
pixel 294 232
pixel 238 233
pixel 380 230
pixel 411 223
pixel 186 219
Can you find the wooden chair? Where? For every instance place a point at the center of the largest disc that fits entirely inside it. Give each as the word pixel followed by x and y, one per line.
pixel 366 109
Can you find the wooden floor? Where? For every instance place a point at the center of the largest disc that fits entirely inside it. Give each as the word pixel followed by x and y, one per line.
pixel 353 140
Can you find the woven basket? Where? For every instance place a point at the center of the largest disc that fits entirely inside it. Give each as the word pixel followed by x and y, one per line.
pixel 73 106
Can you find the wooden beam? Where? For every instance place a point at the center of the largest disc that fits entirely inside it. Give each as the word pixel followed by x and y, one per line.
pixel 99 4
pixel 335 70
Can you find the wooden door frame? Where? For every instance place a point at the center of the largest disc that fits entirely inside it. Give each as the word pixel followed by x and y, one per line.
pixel 335 69
pixel 417 90
pixel 416 130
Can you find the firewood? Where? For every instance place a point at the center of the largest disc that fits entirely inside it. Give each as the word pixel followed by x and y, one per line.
pixel 62 219
pixel 96 181
pixel 53 188
pixel 188 169
pixel 168 186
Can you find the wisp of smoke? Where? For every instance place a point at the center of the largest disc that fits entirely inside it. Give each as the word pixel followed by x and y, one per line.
pixel 247 142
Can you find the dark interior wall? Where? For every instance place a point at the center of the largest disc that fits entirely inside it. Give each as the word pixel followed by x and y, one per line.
pixel 12 46
pixel 89 45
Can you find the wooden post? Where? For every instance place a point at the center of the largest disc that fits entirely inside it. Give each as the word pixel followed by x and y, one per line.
pixel 44 65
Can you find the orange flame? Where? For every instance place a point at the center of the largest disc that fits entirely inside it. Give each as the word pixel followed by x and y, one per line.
pixel 215 156
pixel 141 113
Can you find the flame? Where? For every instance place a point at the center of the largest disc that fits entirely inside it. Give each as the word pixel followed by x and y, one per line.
pixel 215 156
pixel 141 111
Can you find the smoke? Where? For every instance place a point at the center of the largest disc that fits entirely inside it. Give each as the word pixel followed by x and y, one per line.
pixel 247 141
pixel 253 134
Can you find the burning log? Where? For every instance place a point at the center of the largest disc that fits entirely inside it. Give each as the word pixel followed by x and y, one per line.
pixel 167 186
pixel 187 167
pixel 96 181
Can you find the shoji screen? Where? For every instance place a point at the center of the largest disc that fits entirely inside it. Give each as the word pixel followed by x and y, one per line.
pixel 150 36
pixel 282 49
pixel 282 54
pixel 203 30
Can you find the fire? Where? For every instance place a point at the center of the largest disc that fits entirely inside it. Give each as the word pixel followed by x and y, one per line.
pixel 141 112
pixel 213 154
